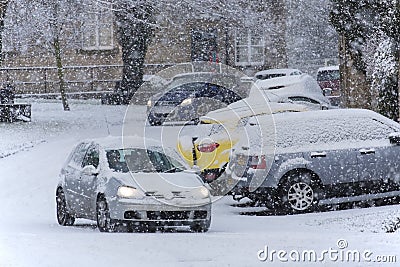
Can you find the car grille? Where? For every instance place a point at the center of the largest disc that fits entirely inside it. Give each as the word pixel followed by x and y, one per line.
pixel 168 215
pixel 200 214
pixel 166 103
pixel 173 194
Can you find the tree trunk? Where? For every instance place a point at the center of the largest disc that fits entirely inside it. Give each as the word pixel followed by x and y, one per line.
pixel 60 73
pixel 354 87
pixel 388 101
pixel 3 10
pixel 279 14
pixel 134 35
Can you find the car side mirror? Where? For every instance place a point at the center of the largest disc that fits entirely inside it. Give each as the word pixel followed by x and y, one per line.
pixel 90 170
pixel 327 91
pixel 394 138
pixel 253 121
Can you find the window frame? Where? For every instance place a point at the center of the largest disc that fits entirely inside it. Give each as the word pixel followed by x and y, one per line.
pixel 93 148
pixel 97 25
pixel 249 45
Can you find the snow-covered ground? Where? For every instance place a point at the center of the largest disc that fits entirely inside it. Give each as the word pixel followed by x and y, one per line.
pixel 31 155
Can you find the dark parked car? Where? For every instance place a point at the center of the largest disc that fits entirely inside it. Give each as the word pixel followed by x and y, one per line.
pixel 321 157
pixel 192 95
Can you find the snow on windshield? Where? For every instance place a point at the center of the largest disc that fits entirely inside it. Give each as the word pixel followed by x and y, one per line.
pixel 141 160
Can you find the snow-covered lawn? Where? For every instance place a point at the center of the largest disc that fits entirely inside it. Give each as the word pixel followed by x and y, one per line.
pixel 31 155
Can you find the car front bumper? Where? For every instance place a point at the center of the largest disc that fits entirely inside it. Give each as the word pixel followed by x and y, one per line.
pixel 159 213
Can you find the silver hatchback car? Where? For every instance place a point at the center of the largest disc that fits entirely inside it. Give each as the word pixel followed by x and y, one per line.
pixel 135 186
pixel 297 161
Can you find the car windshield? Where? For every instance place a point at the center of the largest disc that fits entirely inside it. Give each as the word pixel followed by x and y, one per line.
pixel 269 76
pixel 141 160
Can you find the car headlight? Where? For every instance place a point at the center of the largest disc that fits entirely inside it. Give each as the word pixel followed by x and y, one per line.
pixel 129 192
pixel 201 192
pixel 149 103
pixel 186 102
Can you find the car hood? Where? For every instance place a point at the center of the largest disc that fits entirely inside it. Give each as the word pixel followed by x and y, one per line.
pixel 160 182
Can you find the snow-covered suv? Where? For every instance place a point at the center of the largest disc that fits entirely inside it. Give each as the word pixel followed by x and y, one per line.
pixel 296 161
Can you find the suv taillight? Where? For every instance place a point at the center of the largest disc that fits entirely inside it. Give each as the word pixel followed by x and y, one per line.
pixel 257 162
pixel 207 147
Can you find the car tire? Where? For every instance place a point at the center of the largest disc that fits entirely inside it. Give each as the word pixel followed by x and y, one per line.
pixel 64 217
pixel 200 227
pixel 104 222
pixel 300 193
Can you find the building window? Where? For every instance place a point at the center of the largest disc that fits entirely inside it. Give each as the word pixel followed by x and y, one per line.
pixel 204 46
pixel 249 48
pixel 97 31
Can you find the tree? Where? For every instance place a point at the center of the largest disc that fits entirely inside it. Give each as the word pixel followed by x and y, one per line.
pixel 135 26
pixel 3 10
pixel 369 53
pixel 60 16
pixel 37 26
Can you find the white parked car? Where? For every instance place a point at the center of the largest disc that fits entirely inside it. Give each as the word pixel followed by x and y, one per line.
pixel 139 185
pixel 301 89
pixel 274 73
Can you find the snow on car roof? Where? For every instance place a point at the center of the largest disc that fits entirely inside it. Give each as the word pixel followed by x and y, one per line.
pixel 272 71
pixel 203 75
pixel 328 68
pixel 333 113
pixel 295 83
pixel 248 107
pixel 317 130
pixel 115 142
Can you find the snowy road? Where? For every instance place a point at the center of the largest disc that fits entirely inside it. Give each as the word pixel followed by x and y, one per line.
pixel 30 235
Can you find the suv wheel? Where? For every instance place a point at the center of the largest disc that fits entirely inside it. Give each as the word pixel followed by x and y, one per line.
pixel 63 216
pixel 300 193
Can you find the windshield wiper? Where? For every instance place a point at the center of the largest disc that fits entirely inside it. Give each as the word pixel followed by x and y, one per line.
pixel 171 170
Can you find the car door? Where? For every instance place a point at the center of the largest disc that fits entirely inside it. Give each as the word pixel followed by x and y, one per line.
pixel 377 160
pixel 335 166
pixel 388 163
pixel 88 181
pixel 324 146
pixel 72 177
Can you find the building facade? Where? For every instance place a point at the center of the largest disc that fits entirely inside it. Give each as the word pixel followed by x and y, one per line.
pixel 92 57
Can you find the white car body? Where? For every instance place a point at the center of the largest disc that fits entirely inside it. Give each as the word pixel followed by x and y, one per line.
pixel 273 73
pixel 283 88
pixel 91 186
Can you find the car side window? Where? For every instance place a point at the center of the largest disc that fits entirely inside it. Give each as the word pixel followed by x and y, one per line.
pixel 372 129
pixel 303 99
pixel 91 157
pixel 78 154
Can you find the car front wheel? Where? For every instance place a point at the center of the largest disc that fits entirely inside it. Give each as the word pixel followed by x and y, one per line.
pixel 300 193
pixel 64 218
pixel 104 222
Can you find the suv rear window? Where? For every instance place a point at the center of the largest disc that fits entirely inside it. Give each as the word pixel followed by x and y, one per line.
pixel 328 75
